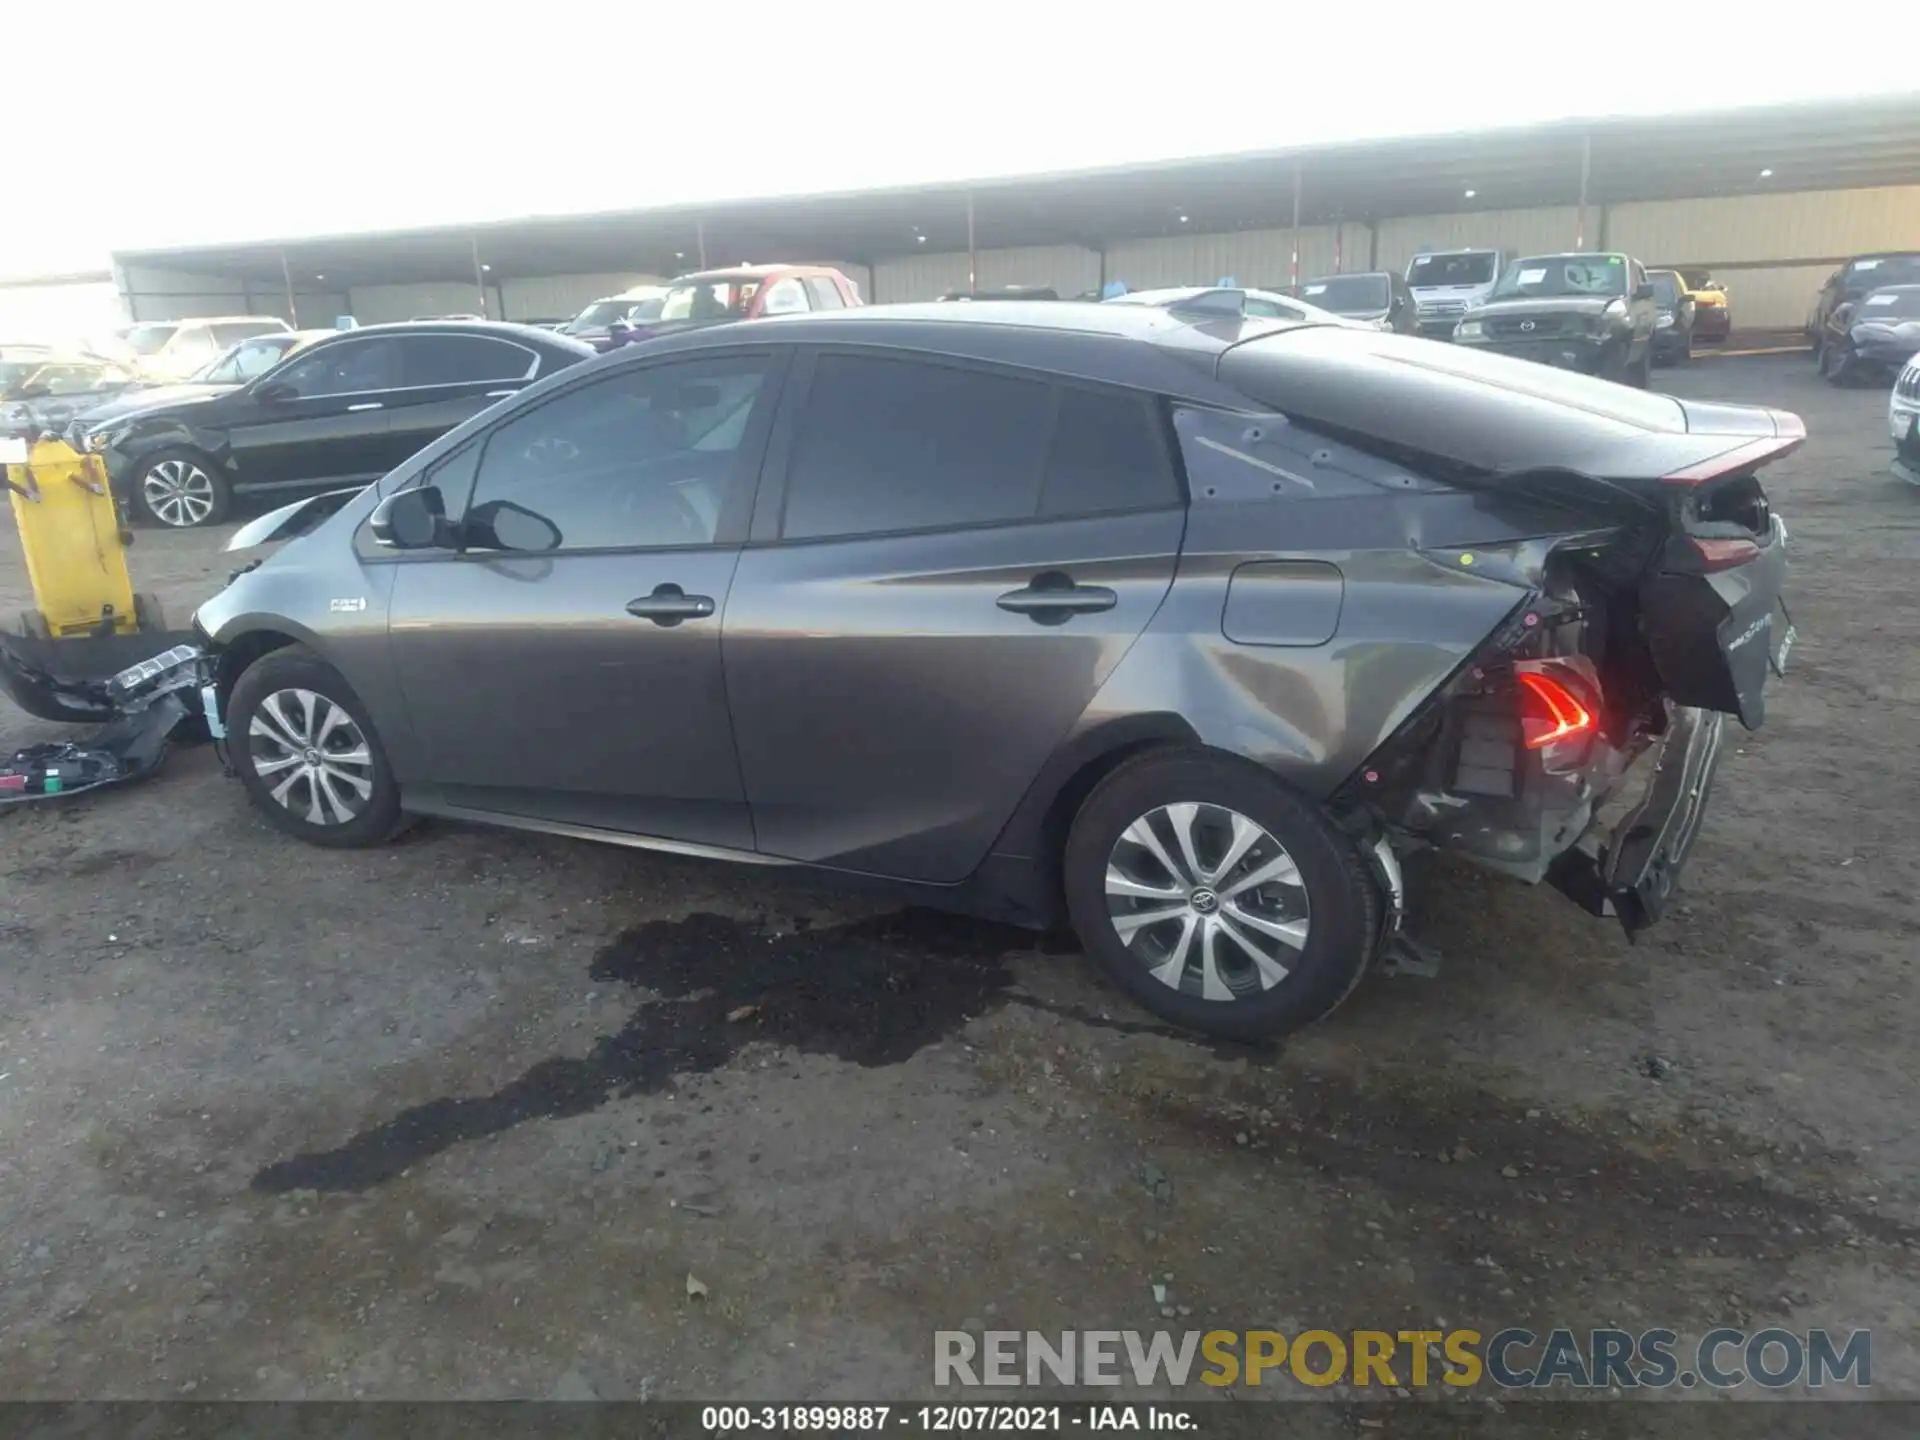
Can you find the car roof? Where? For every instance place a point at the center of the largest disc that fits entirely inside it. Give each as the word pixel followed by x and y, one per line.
pixel 752 272
pixel 1351 275
pixel 1140 346
pixel 503 329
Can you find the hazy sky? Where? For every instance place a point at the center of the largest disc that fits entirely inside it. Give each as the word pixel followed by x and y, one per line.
pixel 204 120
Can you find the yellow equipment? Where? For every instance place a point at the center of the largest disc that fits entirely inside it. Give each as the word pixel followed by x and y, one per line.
pixel 75 547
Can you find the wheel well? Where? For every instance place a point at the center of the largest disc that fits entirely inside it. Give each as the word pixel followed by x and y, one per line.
pixel 242 653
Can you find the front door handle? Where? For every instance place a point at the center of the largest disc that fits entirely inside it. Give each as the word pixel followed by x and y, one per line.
pixel 1053 599
pixel 669 605
pixel 368 405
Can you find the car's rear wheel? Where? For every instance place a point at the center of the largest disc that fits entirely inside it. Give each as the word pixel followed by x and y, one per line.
pixel 181 489
pixel 308 755
pixel 1216 897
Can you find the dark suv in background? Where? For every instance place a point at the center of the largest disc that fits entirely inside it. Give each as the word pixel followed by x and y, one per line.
pixel 1595 313
pixel 341 412
pixel 1851 283
pixel 1100 613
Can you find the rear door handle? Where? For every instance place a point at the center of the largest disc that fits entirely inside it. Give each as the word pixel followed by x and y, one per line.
pixel 367 405
pixel 669 605
pixel 500 394
pixel 1053 599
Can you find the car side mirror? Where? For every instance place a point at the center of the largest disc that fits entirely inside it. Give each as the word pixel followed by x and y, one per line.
pixel 1643 291
pixel 276 393
pixel 503 525
pixel 414 519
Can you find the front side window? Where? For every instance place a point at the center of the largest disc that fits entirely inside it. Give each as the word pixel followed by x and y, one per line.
pixel 785 297
pixel 345 367
pixel 462 360
pixel 642 459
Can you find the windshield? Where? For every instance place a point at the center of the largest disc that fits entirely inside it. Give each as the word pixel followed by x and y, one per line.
pixel 15 372
pixel 1349 294
pixel 1456 269
pixel 602 313
pixel 1878 270
pixel 1553 275
pixel 148 339
pixel 1901 303
pixel 1665 288
pixel 709 300
pixel 241 363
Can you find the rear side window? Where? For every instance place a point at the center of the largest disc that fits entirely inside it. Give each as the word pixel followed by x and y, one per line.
pixel 889 445
pixel 826 295
pixel 1108 453
pixel 897 445
pixel 461 360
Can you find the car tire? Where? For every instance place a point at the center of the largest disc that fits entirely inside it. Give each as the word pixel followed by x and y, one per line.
pixel 180 489
pixel 1684 355
pixel 310 759
pixel 1216 963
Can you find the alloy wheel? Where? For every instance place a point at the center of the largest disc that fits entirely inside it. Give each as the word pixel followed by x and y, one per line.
pixel 311 756
pixel 1207 900
pixel 178 492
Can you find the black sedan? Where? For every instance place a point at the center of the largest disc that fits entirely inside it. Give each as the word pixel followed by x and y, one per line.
pixel 1872 338
pixel 341 412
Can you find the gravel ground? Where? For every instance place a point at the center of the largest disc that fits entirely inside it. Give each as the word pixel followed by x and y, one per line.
pixel 459 1117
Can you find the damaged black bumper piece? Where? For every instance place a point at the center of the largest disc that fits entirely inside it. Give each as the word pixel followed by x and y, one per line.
pixel 138 708
pixel 1632 869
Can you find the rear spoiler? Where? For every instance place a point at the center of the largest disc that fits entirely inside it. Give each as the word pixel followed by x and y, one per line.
pixel 1790 433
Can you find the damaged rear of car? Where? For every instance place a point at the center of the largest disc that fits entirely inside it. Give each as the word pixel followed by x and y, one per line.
pixel 1578 742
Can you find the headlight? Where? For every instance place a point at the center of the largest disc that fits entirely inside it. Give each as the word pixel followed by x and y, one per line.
pixel 1467 330
pixel 1664 322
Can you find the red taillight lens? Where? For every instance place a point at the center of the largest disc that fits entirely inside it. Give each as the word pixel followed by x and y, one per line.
pixel 1550 711
pixel 1725 554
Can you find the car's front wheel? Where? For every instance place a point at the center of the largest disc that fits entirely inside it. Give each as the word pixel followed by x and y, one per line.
pixel 1216 897
pixel 181 489
pixel 308 755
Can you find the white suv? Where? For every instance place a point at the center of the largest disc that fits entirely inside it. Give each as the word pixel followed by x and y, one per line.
pixel 1903 421
pixel 165 350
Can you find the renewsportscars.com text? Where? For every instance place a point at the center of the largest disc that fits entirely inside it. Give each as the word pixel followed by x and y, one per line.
pixel 1513 1358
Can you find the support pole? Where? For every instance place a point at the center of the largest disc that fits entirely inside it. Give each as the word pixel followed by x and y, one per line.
pixel 700 239
pixel 1586 172
pixel 1373 246
pixel 479 275
pixel 1339 240
pixel 293 305
pixel 972 279
pixel 1293 274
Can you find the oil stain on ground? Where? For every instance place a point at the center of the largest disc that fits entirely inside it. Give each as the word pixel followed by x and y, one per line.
pixel 872 992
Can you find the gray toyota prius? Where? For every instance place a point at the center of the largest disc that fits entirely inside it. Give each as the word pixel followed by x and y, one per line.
pixel 1177 626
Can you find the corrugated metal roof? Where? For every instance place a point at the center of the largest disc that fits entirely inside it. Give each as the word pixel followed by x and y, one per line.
pixel 1823 146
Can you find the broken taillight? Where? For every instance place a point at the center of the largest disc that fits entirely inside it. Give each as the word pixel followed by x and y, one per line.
pixel 1724 554
pixel 1550 711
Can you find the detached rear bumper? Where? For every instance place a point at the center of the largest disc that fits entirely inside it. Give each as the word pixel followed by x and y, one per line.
pixel 1631 868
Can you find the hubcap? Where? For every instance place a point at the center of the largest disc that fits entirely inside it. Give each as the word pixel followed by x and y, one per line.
pixel 178 492
pixel 311 756
pixel 1207 900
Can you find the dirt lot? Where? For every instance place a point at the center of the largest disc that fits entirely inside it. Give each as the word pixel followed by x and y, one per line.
pixel 459 1117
